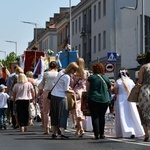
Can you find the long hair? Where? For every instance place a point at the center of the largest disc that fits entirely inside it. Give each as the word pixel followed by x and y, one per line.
pixel 81 64
pixel 72 65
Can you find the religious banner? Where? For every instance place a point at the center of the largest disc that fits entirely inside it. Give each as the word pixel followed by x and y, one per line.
pixel 31 59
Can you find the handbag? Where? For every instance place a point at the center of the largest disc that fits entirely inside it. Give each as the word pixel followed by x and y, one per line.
pixel 84 104
pixel 134 94
pixel 49 93
pixel 71 98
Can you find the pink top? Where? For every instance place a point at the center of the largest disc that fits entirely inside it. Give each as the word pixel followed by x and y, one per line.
pixel 23 91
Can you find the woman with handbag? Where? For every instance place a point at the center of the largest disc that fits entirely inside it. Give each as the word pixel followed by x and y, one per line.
pixel 98 98
pixel 127 120
pixel 144 95
pixel 59 105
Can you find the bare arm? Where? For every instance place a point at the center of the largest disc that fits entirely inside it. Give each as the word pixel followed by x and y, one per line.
pixel 140 76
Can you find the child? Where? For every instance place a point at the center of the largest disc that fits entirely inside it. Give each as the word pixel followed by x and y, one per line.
pixel 3 106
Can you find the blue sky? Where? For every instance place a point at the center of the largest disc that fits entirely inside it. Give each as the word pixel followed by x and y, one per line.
pixel 12 12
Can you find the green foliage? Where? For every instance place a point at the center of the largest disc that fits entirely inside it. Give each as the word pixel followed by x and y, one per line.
pixel 9 59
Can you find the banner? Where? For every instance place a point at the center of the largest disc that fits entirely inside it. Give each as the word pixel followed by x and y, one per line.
pixel 67 57
pixel 31 59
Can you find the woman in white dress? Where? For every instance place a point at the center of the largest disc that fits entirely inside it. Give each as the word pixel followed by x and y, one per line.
pixel 127 120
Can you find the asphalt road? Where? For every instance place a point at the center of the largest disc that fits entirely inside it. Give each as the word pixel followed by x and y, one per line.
pixel 34 139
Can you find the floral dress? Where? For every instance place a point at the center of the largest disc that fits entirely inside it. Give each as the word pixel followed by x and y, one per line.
pixel 79 85
pixel 144 96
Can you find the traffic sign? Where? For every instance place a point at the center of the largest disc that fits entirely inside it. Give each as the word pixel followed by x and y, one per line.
pixel 109 67
pixel 111 56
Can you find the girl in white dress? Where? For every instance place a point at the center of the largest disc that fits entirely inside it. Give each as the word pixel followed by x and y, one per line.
pixel 127 120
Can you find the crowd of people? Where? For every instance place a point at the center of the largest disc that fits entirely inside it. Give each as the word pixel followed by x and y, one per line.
pixel 22 92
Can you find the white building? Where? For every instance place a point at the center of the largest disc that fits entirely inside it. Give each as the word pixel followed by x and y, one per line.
pixel 102 26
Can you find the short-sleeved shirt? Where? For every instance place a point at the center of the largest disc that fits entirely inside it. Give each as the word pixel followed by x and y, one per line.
pixel 23 91
pixel 3 100
pixel 47 81
pixel 98 91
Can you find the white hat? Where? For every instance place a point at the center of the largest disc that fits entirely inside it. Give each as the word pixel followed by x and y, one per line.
pixel 2 86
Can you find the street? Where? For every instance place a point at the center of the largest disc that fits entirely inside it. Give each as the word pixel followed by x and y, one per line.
pixel 34 139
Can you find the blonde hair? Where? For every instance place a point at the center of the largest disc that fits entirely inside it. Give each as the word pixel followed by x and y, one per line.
pixel 19 70
pixel 22 78
pixel 72 65
pixel 81 64
pixel 29 74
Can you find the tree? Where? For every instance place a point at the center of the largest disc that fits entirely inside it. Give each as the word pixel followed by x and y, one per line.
pixel 9 59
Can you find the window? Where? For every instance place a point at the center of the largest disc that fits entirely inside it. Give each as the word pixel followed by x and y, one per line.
pixel 94 13
pixel 79 24
pixel 76 26
pixel 99 42
pixel 72 28
pixel 104 7
pixel 99 10
pixel 104 39
pixel 94 44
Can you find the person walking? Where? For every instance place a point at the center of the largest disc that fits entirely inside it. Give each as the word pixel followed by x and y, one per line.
pixel 23 91
pixel 44 87
pixel 78 84
pixel 11 80
pixel 127 120
pixel 59 106
pixel 144 95
pixel 3 107
pixel 98 85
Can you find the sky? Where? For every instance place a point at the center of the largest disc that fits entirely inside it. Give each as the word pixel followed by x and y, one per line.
pixel 12 12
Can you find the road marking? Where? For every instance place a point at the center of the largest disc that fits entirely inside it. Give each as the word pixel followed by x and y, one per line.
pixel 108 137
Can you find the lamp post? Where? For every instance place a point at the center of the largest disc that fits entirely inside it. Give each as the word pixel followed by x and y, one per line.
pixel 15 45
pixel 35 24
pixel 3 52
pixel 70 24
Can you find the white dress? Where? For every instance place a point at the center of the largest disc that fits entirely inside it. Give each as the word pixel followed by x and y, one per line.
pixel 127 120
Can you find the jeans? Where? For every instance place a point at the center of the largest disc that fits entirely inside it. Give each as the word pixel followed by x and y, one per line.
pixel 3 116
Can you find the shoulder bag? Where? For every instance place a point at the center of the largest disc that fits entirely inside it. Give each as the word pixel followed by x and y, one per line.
pixel 49 93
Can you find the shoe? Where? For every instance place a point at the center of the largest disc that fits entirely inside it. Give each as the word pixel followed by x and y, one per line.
pixel 95 138
pixel 132 136
pixel 46 133
pixel 54 136
pixel 22 129
pixel 102 137
pixel 64 137
pixel 81 133
pixel 146 139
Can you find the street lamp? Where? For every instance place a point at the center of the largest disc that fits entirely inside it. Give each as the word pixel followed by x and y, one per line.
pixel 15 45
pixel 35 24
pixel 70 24
pixel 4 53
